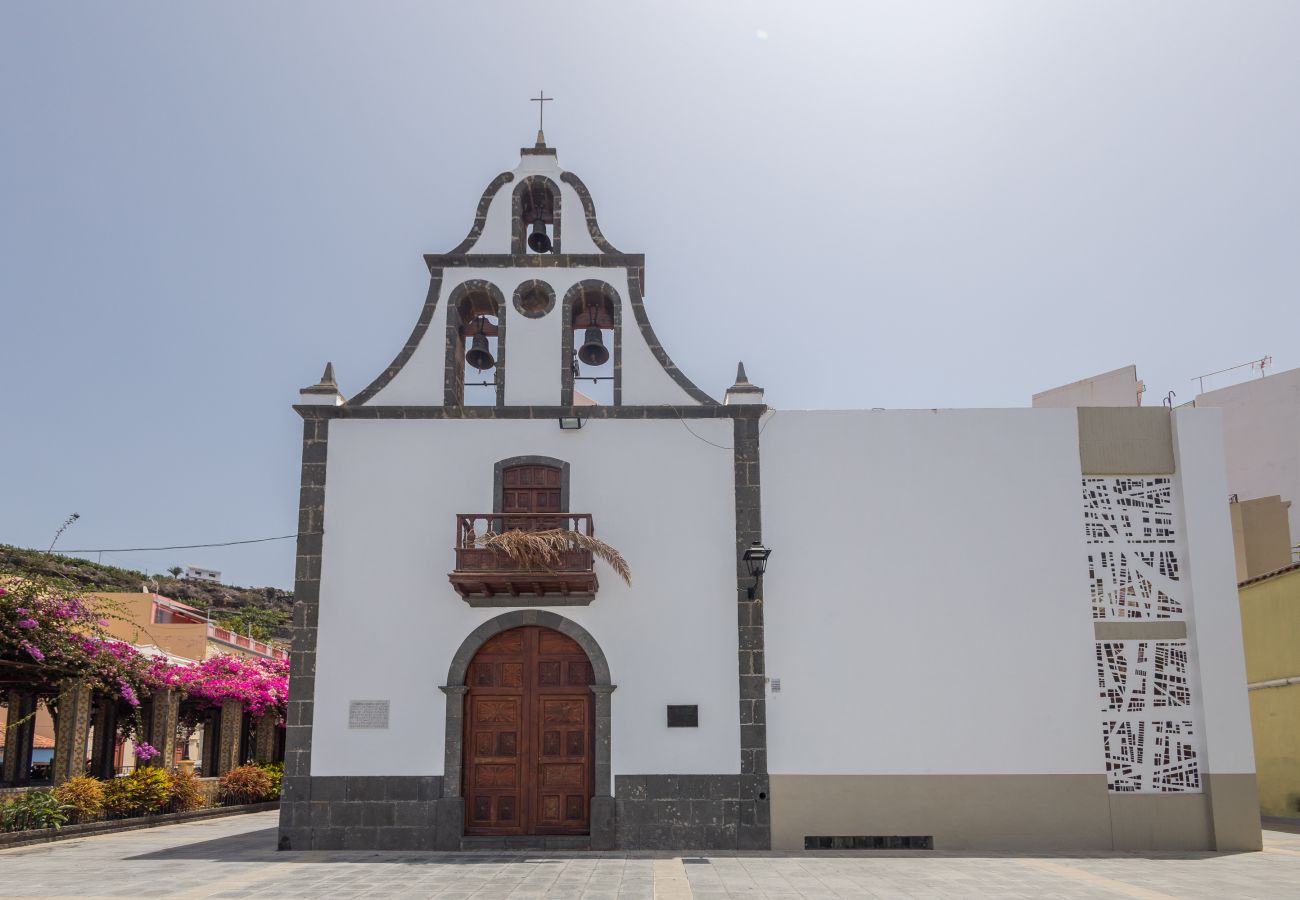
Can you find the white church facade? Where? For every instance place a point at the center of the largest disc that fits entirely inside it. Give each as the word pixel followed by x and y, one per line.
pixel 978 629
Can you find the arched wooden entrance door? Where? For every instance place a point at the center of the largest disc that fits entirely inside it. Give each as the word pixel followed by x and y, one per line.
pixel 529 735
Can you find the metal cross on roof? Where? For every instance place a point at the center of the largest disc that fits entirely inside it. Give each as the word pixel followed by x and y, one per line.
pixel 541 100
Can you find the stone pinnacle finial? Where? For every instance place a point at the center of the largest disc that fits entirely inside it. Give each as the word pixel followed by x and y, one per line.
pixel 325 391
pixel 742 391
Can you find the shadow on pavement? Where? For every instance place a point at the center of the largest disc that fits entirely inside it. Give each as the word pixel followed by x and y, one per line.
pixel 245 846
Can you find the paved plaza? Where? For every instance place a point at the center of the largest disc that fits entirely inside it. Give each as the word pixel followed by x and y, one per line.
pixel 234 857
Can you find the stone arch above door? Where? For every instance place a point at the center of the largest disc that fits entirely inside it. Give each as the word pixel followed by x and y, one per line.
pixel 602 804
pixel 504 622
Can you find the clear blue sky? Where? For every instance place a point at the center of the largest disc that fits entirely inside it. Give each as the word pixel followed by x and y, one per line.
pixel 200 203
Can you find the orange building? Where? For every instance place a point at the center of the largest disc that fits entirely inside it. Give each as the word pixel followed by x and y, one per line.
pixel 146 620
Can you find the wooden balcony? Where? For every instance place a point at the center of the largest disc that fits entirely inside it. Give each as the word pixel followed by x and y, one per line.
pixel 486 576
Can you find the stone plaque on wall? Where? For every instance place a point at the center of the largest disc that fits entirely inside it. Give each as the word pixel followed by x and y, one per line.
pixel 368 714
pixel 684 716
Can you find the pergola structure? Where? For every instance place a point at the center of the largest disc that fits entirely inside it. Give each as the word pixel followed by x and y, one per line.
pixel 86 724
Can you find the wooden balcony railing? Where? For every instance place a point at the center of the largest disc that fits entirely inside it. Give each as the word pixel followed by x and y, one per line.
pixel 489 572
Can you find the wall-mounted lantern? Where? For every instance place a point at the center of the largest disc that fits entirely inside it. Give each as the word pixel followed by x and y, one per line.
pixel 755 557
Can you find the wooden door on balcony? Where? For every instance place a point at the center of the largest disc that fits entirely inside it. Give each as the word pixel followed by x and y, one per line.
pixel 532 489
pixel 529 764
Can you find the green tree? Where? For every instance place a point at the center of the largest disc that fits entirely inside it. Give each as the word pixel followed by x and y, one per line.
pixel 176 571
pixel 260 623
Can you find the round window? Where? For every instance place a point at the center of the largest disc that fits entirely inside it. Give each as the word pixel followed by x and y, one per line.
pixel 534 299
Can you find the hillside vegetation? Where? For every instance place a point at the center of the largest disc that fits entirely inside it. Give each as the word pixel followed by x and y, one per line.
pixel 264 611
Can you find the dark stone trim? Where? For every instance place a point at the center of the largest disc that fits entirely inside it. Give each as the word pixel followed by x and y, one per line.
pixel 536 151
pixel 634 276
pixel 480 216
pixel 417 334
pixel 602 826
pixel 359 812
pixel 533 284
pixel 498 472
pixel 740 411
pixel 678 812
pixel 306 607
pixel 754 831
pixel 479 636
pixel 566 337
pixel 532 260
pixel 589 208
pixel 453 385
pixel 518 227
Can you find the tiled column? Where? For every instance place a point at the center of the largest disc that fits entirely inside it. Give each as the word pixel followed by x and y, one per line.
pixel 71 731
pixel 104 748
pixel 264 738
pixel 232 719
pixel 161 727
pixel 18 738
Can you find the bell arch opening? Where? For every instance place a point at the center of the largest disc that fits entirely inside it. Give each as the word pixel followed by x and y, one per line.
pixel 535 216
pixel 474 373
pixel 591 354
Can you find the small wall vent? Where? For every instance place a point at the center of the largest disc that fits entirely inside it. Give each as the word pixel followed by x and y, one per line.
pixel 869 842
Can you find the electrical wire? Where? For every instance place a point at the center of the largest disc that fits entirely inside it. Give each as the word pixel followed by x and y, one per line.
pixel 709 442
pixel 283 537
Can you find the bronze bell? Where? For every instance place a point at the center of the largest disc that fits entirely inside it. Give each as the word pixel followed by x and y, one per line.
pixel 478 354
pixel 593 352
pixel 538 242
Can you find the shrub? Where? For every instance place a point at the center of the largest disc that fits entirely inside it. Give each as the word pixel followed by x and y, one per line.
pixel 34 809
pixel 186 792
pixel 246 784
pixel 144 792
pixel 84 797
pixel 276 772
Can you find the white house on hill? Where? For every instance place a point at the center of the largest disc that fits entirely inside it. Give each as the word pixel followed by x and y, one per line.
pixel 1006 628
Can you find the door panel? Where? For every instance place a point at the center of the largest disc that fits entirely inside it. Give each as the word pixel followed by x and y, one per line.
pixel 563 761
pixel 529 765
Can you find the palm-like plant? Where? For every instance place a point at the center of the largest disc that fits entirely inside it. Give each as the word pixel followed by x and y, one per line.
pixel 544 549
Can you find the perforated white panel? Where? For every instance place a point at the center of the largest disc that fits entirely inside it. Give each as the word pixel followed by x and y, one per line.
pixel 1134 552
pixel 1144 756
pixel 1150 725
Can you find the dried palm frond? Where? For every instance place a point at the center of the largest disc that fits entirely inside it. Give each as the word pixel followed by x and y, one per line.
pixel 544 549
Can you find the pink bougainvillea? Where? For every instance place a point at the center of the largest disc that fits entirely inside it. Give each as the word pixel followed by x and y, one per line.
pixel 261 684
pixel 58 637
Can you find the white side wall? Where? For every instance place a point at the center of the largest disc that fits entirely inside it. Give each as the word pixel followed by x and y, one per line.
pixel 927 602
pixel 390 621
pixel 1118 388
pixel 1214 618
pixel 1261 429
